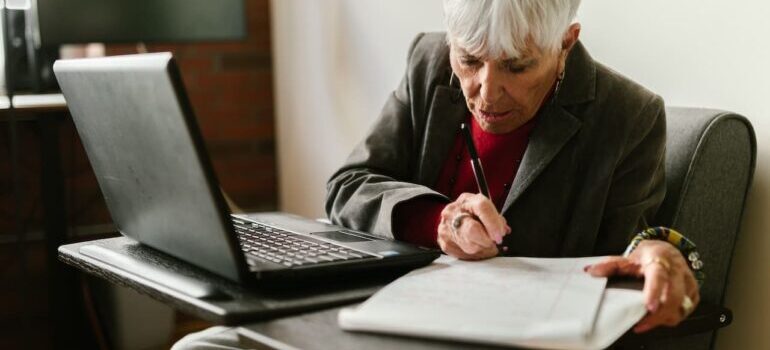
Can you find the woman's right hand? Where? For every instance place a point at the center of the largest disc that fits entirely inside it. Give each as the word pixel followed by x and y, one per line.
pixel 479 230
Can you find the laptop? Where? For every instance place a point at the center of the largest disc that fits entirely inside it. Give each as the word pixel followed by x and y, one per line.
pixel 143 142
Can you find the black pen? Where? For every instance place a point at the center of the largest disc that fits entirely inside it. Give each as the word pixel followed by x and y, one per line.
pixel 478 171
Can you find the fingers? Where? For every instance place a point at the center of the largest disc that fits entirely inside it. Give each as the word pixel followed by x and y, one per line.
pixel 614 265
pixel 656 279
pixel 672 300
pixel 669 312
pixel 484 253
pixel 474 236
pixel 648 322
pixel 481 207
pixel 668 280
pixel 471 239
pixel 452 248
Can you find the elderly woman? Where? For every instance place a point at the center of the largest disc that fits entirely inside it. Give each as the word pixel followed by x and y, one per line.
pixel 573 154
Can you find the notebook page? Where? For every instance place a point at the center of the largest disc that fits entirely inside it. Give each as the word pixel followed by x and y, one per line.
pixel 503 300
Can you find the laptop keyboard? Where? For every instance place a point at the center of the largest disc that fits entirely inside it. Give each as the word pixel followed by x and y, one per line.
pixel 267 243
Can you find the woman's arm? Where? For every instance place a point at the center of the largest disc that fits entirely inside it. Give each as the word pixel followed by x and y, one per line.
pixel 638 188
pixel 638 183
pixel 378 174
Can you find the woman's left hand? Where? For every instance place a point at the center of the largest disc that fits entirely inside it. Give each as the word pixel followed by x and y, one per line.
pixel 667 281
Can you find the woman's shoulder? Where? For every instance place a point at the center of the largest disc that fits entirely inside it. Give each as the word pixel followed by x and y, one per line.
pixel 430 46
pixel 606 100
pixel 428 58
pixel 617 88
pixel 594 91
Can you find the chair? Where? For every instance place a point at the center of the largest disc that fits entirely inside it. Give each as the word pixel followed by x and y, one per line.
pixel 710 160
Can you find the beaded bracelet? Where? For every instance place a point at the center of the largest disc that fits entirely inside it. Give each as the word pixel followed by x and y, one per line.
pixel 686 246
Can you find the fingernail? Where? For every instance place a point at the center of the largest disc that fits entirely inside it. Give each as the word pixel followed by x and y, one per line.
pixel 653 306
pixel 585 268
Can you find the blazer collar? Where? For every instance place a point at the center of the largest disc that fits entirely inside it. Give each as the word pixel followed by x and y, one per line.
pixel 447 112
pixel 556 124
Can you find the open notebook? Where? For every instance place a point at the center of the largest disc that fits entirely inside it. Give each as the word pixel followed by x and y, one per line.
pixel 531 302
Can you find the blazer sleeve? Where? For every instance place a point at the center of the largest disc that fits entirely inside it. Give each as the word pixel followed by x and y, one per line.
pixel 376 176
pixel 638 184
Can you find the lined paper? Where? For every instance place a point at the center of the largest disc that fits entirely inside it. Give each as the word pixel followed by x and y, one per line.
pixel 507 300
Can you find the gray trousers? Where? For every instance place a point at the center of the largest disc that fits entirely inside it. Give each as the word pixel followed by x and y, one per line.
pixel 229 338
pixel 216 338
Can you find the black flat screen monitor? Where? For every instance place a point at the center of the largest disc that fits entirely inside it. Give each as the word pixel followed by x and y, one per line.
pixel 130 21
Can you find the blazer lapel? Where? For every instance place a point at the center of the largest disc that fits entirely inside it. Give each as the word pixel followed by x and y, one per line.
pixel 555 127
pixel 447 111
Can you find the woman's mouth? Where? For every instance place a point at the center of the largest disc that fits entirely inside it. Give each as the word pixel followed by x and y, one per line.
pixel 494 116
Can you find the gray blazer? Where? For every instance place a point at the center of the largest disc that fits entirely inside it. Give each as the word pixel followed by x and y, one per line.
pixel 592 174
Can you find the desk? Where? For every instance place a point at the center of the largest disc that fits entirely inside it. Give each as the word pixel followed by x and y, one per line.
pixel 319 330
pixel 306 320
pixel 27 104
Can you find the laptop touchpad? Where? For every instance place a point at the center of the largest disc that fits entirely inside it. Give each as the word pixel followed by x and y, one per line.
pixel 341 236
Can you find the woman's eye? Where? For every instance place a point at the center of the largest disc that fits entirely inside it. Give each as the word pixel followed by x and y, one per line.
pixel 470 61
pixel 516 68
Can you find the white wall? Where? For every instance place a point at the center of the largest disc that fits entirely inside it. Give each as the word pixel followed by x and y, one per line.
pixel 705 53
pixel 337 60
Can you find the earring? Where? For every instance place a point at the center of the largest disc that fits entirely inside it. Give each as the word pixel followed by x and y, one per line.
pixel 559 79
pixel 556 88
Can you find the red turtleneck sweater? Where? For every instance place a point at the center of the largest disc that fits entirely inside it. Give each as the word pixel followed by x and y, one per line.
pixel 417 220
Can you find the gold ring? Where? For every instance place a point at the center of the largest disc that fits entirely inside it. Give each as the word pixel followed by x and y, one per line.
pixel 687 306
pixel 660 261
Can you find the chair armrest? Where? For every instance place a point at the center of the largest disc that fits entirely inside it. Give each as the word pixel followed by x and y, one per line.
pixel 706 318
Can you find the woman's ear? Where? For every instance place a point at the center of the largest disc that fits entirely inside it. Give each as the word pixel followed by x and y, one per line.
pixel 568 41
pixel 570 37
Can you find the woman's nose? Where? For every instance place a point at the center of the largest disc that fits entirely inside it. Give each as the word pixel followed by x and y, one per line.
pixel 491 87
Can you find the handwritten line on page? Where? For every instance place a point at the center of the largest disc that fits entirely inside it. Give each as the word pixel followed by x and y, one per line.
pixel 531 302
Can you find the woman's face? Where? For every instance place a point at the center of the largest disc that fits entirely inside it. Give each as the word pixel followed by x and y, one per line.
pixel 503 93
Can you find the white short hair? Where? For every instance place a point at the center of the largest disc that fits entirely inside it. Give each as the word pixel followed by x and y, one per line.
pixel 491 28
